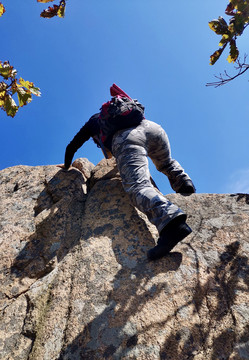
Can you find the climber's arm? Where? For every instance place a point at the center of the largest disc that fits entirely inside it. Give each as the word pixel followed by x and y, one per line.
pixel 80 138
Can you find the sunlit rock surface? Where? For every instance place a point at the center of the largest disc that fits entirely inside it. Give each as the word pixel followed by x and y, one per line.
pixel 76 283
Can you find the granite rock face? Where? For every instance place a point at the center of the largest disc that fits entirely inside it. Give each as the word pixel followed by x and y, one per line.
pixel 76 284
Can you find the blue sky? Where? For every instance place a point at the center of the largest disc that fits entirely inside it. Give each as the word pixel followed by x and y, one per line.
pixel 158 52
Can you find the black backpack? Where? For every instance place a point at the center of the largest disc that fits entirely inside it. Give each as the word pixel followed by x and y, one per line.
pixel 118 114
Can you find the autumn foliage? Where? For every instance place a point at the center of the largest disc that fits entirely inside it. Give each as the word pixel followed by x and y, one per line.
pixel 11 85
pixel 2 9
pixel 51 11
pixel 238 11
pixel 56 10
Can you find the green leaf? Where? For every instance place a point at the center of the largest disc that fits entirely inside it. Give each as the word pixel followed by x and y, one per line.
pixel 216 55
pixel 239 23
pixel 24 97
pixel 10 106
pixel 29 86
pixel 234 52
pixel 6 71
pixel 219 26
pixel 24 89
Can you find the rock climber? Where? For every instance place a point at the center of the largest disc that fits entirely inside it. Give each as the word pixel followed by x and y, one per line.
pixel 131 146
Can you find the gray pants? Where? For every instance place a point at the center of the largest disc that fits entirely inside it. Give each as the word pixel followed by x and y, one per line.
pixel 131 148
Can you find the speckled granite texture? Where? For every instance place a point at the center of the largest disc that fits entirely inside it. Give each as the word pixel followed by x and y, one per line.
pixel 76 284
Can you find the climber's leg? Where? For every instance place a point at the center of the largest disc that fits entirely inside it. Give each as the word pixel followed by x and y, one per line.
pixel 129 149
pixel 159 151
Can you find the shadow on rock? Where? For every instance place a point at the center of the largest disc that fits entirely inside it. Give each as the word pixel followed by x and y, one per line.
pixel 113 331
pixel 58 218
pixel 218 294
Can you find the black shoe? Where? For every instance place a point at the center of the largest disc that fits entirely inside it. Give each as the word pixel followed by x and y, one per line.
pixel 187 188
pixel 169 237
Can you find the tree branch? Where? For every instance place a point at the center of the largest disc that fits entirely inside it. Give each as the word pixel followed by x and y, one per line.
pixel 225 78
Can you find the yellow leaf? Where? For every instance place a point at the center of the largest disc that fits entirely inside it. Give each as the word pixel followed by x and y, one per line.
pixel 2 98
pixel 31 89
pixel 61 10
pixel 2 9
pixel 230 59
pixel 26 84
pixel 224 40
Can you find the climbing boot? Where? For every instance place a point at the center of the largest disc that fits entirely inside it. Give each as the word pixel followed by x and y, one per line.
pixel 174 232
pixel 187 187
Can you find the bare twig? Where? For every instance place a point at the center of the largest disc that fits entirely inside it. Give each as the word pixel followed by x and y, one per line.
pixel 225 78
